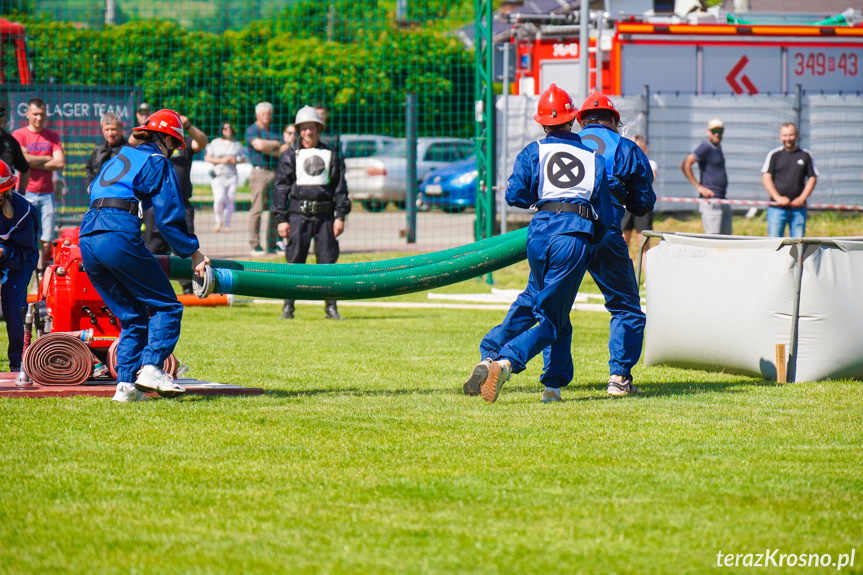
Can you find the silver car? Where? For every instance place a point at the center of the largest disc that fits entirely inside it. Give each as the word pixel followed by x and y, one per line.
pixel 382 178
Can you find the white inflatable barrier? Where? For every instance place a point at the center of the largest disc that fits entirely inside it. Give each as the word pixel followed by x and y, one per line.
pixel 725 303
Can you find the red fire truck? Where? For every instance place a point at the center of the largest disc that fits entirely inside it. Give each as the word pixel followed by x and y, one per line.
pixel 698 59
pixel 15 64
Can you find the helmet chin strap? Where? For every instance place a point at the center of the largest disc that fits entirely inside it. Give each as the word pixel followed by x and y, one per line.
pixel 168 151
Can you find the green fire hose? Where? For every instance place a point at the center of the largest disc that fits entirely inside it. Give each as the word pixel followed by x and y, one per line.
pixel 356 281
pixel 180 268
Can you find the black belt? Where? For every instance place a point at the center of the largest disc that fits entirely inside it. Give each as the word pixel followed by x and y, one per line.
pixel 312 207
pixel 557 207
pixel 125 205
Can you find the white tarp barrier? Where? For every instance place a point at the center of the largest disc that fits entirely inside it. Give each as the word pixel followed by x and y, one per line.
pixel 724 304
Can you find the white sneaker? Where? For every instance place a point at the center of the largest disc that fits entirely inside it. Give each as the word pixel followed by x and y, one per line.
pixel 151 378
pixel 126 392
pixel 550 396
pixel 498 373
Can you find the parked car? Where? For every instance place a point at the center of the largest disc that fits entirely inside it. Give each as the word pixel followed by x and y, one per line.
pixel 382 178
pixel 363 146
pixel 453 188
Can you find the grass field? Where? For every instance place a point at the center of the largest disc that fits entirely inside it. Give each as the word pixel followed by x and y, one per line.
pixel 365 457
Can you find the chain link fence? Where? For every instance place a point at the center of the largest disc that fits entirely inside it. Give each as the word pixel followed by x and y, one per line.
pixel 830 125
pixel 357 61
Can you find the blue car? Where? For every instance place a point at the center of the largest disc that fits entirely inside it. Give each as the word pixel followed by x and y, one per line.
pixel 453 188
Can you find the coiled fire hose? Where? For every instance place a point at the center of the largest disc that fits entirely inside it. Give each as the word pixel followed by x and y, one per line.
pixel 60 359
pixel 170 366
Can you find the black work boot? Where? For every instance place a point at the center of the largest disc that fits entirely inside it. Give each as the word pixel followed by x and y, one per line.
pixel 288 309
pixel 331 310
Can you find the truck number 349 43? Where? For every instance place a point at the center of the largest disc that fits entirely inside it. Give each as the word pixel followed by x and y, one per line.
pixel 819 64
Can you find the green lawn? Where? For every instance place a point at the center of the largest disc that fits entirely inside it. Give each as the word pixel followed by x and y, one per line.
pixel 365 457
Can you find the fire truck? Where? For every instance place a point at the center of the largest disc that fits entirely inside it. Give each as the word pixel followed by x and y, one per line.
pixel 695 58
pixel 15 64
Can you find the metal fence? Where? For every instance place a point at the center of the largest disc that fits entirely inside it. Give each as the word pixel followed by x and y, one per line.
pixel 214 61
pixel 831 127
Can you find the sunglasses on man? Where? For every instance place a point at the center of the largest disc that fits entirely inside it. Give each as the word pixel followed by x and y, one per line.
pixel 717 131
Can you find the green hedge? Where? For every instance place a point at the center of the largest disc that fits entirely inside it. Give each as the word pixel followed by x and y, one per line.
pixel 353 56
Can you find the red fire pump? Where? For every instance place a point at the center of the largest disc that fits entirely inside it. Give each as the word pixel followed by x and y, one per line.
pixel 76 332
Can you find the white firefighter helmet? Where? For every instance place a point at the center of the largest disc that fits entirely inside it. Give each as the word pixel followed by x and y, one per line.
pixel 308 114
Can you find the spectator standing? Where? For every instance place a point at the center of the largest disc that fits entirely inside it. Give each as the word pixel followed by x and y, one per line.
pixel 789 175
pixel 289 136
pixel 713 180
pixel 141 114
pixel 224 153
pixel 310 200
pixel 10 149
pixel 327 135
pixel 112 130
pixel 44 153
pixel 264 151
pixel 567 183
pixel 19 253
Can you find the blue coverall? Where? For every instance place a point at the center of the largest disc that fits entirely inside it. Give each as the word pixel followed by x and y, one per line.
pixel 19 238
pixel 630 181
pixel 558 168
pixel 125 274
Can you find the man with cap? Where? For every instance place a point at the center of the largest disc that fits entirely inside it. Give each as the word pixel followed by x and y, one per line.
pixel 141 114
pixel 310 199
pixel 713 181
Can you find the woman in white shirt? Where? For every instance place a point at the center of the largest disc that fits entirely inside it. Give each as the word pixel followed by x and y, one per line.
pixel 225 153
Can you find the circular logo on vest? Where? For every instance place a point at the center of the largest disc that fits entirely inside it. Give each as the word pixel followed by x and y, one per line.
pixel 594 142
pixel 127 165
pixel 564 170
pixel 314 165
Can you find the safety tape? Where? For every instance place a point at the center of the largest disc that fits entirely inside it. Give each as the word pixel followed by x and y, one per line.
pixel 759 204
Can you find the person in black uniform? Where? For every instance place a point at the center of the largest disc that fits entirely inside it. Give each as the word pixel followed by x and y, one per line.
pixel 310 199
pixel 10 150
pixel 112 129
pixel 195 142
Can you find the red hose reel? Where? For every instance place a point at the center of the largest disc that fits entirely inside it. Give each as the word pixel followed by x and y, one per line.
pixel 77 332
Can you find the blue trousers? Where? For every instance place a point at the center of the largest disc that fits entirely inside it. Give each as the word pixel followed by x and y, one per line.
pixel 611 269
pixel 136 290
pixel 778 218
pixel 13 299
pixel 539 318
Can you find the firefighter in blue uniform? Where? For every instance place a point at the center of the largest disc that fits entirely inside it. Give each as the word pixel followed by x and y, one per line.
pixel 19 254
pixel 567 184
pixel 123 271
pixel 630 181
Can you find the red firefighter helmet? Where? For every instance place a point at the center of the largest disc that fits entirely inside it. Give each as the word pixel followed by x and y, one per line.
pixel 7 178
pixel 598 101
pixel 555 107
pixel 166 122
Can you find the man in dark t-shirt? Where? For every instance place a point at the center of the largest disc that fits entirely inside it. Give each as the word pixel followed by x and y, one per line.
pixel 264 151
pixel 10 152
pixel 716 218
pixel 789 175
